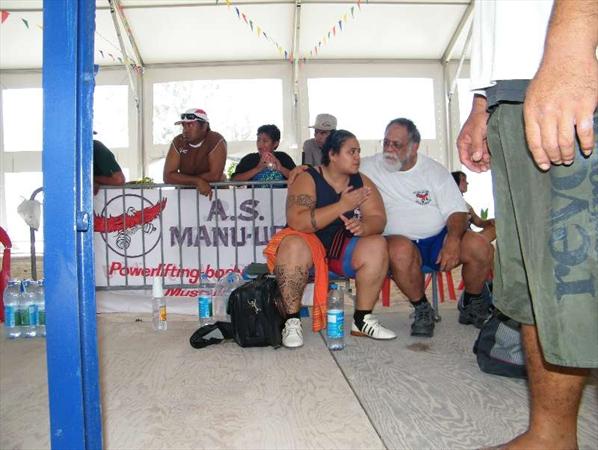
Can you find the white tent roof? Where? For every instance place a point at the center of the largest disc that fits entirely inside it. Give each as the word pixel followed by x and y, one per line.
pixel 194 31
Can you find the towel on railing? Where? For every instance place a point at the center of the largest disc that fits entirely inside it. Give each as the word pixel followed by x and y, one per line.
pixel 320 268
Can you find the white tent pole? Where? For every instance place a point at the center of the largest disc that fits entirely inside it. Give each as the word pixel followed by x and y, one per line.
pixel 136 88
pixel 132 40
pixel 296 34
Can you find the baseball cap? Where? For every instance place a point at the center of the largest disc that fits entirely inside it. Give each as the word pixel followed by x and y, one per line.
pixel 324 122
pixel 193 114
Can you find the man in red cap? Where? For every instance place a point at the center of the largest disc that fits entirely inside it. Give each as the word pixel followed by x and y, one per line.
pixel 196 156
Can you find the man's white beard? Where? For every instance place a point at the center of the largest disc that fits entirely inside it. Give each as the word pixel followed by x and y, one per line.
pixel 392 163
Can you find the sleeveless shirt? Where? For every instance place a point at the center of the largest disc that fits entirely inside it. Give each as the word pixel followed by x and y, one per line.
pixel 194 160
pixel 326 195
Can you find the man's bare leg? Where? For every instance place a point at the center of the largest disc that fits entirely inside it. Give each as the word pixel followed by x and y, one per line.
pixel 405 264
pixel 555 395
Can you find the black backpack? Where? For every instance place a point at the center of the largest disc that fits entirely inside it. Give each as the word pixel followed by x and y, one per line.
pixel 257 313
pixel 498 347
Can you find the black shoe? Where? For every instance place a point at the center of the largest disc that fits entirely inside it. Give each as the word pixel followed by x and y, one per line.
pixel 423 324
pixel 476 311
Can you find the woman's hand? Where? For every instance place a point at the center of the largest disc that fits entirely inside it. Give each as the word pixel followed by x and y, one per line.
pixel 352 198
pixel 354 225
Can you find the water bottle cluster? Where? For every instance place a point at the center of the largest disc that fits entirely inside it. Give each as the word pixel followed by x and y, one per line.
pixel 24 309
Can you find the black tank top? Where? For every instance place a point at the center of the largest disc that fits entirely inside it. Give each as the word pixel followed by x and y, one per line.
pixel 326 195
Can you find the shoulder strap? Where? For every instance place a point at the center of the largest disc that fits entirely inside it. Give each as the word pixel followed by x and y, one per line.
pixel 200 338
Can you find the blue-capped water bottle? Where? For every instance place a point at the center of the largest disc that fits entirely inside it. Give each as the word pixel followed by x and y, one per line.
pixel 12 316
pixel 40 301
pixel 204 301
pixel 28 309
pixel 335 323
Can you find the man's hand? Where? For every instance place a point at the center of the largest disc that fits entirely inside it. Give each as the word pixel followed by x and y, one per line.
pixel 450 255
pixel 352 198
pixel 295 173
pixel 472 144
pixel 204 187
pixel 354 225
pixel 563 96
pixel 559 104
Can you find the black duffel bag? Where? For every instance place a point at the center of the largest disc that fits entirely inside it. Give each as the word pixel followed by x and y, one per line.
pixel 257 313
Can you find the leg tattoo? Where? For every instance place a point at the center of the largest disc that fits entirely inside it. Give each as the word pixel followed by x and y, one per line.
pixel 291 281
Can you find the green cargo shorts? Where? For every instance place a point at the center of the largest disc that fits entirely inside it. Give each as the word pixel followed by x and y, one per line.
pixel 546 266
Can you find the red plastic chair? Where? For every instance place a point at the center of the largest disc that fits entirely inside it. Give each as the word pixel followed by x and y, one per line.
pixel 5 274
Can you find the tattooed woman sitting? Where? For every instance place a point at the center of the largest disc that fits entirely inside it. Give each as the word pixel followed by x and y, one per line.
pixel 342 211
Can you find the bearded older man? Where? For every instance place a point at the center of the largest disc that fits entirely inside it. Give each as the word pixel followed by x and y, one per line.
pixel 427 226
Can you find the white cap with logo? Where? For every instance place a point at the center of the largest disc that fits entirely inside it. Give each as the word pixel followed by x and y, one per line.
pixel 326 122
pixel 192 115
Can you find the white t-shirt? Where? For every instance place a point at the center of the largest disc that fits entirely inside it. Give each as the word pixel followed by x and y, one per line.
pixel 418 201
pixel 508 40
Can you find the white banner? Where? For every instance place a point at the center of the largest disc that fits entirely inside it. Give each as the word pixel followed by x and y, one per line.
pixel 155 237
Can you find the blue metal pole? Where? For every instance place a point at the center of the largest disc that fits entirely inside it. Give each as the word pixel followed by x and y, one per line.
pixel 68 82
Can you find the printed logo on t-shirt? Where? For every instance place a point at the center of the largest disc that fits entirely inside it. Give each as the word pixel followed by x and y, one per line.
pixel 422 197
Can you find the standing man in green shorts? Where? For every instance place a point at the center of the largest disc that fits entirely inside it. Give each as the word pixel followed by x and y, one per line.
pixel 539 136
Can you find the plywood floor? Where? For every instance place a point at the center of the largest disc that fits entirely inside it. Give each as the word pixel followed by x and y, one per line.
pixel 158 392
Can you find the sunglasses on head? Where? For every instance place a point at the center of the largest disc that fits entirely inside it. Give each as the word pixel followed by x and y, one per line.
pixel 191 116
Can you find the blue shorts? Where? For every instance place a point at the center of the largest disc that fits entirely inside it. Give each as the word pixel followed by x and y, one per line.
pixel 429 248
pixel 342 265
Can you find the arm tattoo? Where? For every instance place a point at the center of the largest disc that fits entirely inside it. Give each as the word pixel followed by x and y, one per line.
pixel 304 200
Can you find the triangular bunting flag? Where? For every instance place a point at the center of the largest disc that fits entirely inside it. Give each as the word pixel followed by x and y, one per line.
pixel 285 55
pixel 259 31
pixel 238 12
pixel 25 22
pixel 251 24
pixel 244 17
pixel 334 30
pixel 5 15
pixel 329 35
pixel 359 4
pixel 352 12
pixel 120 59
pixel 265 35
pixel 101 53
pixel 340 24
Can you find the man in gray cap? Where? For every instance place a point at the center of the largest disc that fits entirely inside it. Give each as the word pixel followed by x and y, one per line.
pixel 312 148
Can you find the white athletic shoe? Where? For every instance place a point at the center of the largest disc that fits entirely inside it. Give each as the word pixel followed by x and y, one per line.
pixel 292 335
pixel 372 328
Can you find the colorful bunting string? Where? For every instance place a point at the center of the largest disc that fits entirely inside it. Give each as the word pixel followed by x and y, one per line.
pixel 259 32
pixel 332 32
pixel 4 15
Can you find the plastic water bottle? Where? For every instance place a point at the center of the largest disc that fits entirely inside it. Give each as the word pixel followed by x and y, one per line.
pixel 204 302
pixel 28 310
pixel 335 324
pixel 40 301
pixel 158 306
pixel 224 287
pixel 12 317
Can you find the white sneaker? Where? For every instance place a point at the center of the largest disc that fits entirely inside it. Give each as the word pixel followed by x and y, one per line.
pixel 372 328
pixel 292 335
